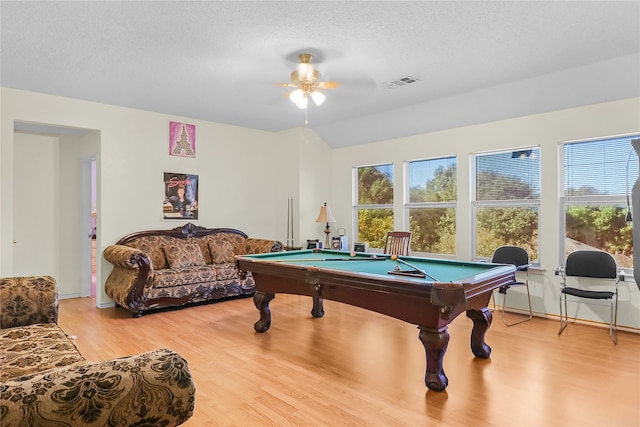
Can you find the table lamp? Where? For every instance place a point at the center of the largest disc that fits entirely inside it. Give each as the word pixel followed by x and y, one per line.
pixel 326 216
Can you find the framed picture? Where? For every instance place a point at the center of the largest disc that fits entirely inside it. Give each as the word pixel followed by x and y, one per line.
pixel 336 244
pixel 360 247
pixel 314 244
pixel 180 196
pixel 182 139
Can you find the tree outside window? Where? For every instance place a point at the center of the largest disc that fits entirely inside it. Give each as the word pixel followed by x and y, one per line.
pixel 374 207
pixel 432 205
pixel 507 201
pixel 597 179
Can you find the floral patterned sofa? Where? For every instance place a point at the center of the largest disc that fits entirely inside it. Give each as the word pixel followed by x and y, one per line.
pixel 45 381
pixel 167 268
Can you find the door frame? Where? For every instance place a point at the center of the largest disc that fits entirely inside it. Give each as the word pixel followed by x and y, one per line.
pixel 86 189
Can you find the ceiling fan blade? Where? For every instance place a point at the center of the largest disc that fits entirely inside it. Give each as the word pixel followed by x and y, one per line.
pixel 328 85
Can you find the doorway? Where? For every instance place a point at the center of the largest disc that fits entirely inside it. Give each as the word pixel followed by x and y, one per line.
pixel 35 228
pixel 55 186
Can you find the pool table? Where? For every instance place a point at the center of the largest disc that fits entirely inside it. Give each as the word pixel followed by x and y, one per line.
pixel 426 292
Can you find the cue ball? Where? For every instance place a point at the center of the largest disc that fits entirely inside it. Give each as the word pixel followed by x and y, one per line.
pixel 394 257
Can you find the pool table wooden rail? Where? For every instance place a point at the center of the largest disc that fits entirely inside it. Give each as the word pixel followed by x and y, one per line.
pixel 395 296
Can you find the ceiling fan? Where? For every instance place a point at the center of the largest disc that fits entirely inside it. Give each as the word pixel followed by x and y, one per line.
pixel 305 82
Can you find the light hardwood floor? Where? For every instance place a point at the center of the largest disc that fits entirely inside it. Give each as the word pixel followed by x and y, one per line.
pixel 359 368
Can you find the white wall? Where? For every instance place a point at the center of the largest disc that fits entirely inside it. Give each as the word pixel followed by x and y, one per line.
pixel 35 205
pixel 301 171
pixel 546 130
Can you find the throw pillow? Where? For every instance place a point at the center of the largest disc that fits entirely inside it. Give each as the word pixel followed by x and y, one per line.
pixel 221 250
pixel 184 255
pixel 153 247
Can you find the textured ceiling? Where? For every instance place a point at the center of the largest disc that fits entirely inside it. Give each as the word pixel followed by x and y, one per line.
pixel 475 61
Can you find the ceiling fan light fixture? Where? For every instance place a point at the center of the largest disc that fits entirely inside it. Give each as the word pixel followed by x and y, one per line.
pixel 296 96
pixel 303 102
pixel 305 82
pixel 306 72
pixel 318 97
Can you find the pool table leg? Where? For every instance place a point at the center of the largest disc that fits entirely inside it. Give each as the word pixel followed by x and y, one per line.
pixel 481 321
pixel 435 345
pixel 261 301
pixel 318 307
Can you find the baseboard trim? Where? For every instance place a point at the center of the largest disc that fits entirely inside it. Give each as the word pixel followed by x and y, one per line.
pixel 575 321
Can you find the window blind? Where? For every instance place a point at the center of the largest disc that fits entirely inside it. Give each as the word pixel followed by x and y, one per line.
pixel 509 175
pixel 600 167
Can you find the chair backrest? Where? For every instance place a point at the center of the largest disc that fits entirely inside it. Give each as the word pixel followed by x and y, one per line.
pixel 511 255
pixel 589 263
pixel 397 243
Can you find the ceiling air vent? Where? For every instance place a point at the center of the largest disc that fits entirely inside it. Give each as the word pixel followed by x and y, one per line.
pixel 403 81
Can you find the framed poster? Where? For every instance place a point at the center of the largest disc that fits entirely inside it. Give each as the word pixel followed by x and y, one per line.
pixel 180 196
pixel 182 139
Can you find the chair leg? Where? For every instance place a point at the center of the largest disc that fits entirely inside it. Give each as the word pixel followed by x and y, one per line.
pixel 613 320
pixel 494 297
pixel 504 303
pixel 563 324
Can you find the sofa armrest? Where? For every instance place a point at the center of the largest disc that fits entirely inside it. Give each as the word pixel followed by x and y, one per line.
pixel 153 388
pixel 259 246
pixel 28 300
pixel 131 274
pixel 124 256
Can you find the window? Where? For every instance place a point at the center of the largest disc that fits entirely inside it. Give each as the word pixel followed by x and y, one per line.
pixel 598 176
pixel 432 205
pixel 506 201
pixel 374 204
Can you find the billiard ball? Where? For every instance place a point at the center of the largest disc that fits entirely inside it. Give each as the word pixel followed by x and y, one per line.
pixel 352 254
pixel 394 257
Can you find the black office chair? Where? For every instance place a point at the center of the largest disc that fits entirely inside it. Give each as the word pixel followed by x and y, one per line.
pixel 520 258
pixel 595 264
pixel 397 243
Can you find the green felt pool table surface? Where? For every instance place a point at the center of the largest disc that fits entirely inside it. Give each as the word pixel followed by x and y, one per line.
pixel 443 270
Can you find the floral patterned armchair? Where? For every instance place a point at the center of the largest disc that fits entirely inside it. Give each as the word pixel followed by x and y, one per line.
pixel 45 381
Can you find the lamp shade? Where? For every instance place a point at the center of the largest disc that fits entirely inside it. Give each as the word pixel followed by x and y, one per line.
pixel 325 214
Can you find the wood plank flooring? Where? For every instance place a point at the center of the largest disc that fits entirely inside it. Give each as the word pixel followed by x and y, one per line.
pixel 354 367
